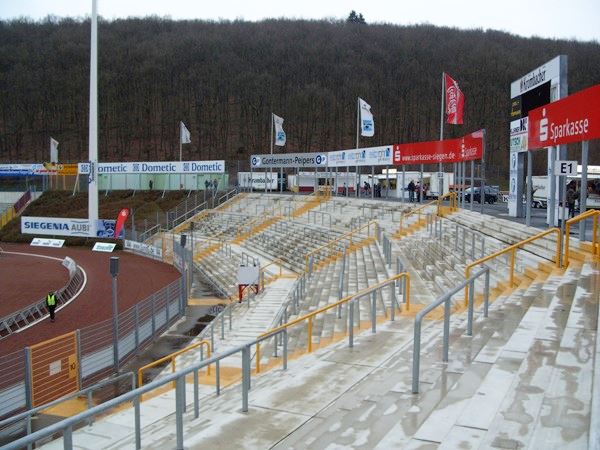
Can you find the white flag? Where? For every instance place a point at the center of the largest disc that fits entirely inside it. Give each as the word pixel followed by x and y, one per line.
pixel 279 133
pixel 367 125
pixel 53 150
pixel 184 134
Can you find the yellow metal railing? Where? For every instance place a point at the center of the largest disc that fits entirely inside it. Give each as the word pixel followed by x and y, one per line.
pixel 418 211
pixel 311 315
pixel 263 272
pixel 512 249
pixel 592 213
pixel 348 236
pixel 452 202
pixel 7 216
pixel 171 358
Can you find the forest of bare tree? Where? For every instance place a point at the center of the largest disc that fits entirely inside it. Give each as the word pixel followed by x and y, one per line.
pixel 223 79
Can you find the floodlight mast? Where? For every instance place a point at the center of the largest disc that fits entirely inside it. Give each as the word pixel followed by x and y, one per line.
pixel 93 125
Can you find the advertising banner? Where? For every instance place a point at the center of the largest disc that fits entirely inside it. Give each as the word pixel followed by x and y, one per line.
pixel 21 169
pixel 162 167
pixel 371 156
pixel 288 160
pixel 47 242
pixel 59 169
pixel 60 226
pixel 467 148
pixel 575 118
pixel 143 248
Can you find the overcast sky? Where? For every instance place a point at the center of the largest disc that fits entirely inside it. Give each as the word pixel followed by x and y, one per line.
pixel 563 19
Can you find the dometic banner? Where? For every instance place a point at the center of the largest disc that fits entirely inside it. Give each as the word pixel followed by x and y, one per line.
pixel 162 167
pixel 575 118
pixel 372 156
pixel 467 148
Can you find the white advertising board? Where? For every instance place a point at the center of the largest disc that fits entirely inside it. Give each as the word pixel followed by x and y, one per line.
pixel 103 247
pixel 289 160
pixel 546 72
pixel 161 167
pixel 372 156
pixel 143 248
pixel 47 242
pixel 61 226
pixel 55 226
pixel 258 180
pixel 247 275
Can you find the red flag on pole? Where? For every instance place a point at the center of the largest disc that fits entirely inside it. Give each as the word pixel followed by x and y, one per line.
pixel 121 218
pixel 455 101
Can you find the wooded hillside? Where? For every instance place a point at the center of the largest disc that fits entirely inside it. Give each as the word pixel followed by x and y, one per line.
pixel 223 79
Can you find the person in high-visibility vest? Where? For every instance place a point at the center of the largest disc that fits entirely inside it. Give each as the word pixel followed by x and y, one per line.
pixel 51 304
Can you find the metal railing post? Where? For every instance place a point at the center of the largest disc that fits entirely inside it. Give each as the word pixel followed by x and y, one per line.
pixel 137 423
pixel 416 355
pixel 218 377
pixel 136 316
pixel 196 395
pixel 470 309
pixel 446 329
pixel 374 312
pixel 350 323
pixel 179 407
pixel 486 293
pixel 285 348
pixel 222 325
pixel 245 377
pixel 28 376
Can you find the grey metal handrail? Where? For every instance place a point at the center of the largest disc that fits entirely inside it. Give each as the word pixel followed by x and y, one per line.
pixel 87 391
pixel 66 426
pixel 445 299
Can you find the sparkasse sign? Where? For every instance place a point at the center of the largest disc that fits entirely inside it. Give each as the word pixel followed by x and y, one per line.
pixel 575 118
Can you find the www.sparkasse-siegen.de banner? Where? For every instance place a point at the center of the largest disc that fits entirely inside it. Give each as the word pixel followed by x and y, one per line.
pixel 466 148
pixel 574 118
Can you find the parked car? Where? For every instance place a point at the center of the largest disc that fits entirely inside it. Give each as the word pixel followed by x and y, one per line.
pixel 491 195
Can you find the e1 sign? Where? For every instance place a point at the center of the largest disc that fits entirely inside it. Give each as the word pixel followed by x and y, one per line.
pixel 565 168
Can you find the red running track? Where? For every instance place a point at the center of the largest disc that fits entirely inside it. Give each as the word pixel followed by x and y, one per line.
pixel 139 277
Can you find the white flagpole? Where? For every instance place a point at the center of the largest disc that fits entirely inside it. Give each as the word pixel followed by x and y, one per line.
pixel 93 125
pixel 357 142
pixel 180 145
pixel 441 180
pixel 271 170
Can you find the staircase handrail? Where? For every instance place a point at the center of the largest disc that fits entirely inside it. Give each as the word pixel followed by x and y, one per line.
pixel 171 358
pixel 513 249
pixel 355 296
pixel 348 235
pixel 445 299
pixel 593 213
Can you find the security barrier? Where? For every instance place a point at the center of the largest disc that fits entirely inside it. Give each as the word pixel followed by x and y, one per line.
pixel 54 369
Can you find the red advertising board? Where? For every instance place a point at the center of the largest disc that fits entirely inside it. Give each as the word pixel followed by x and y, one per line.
pixel 574 118
pixel 466 148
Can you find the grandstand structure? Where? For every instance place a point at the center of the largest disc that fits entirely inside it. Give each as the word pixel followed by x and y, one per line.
pixel 376 324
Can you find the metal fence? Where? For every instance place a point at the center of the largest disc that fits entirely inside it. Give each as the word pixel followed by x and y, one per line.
pixel 138 326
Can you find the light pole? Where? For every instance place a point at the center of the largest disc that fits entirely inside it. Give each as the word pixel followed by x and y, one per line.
pixel 114 271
